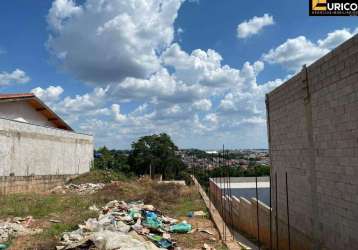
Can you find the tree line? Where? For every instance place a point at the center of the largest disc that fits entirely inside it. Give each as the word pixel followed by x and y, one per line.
pixel 151 155
pixel 157 155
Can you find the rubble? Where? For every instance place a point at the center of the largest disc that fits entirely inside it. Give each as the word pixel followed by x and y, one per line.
pixel 86 188
pixel 197 214
pixel 17 227
pixel 122 225
pixel 208 247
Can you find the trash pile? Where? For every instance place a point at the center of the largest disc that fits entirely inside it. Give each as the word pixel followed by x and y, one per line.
pixel 122 225
pixel 16 227
pixel 86 188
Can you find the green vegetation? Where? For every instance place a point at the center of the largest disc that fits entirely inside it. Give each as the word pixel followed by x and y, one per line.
pixel 156 154
pixel 72 209
pixel 150 155
pixel 116 160
pixel 101 176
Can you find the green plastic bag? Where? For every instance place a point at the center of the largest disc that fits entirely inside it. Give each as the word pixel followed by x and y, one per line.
pixel 160 241
pixel 181 228
pixel 3 246
pixel 134 213
pixel 152 223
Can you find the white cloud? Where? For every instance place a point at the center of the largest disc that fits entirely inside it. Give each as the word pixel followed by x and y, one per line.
pixel 116 109
pixel 146 83
pixel 82 103
pixel 159 84
pixel 296 52
pixel 249 100
pixel 49 94
pixel 335 38
pixel 203 105
pixel 60 11
pixel 106 41
pixel 254 25
pixel 15 77
pixel 212 118
pixel 200 67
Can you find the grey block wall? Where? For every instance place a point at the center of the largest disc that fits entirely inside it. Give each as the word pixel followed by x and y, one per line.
pixel 27 150
pixel 313 136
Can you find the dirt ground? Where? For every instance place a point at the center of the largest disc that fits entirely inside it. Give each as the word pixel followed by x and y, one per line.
pixel 72 209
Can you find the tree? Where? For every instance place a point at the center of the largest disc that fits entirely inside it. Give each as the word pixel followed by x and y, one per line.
pixel 155 154
pixel 111 160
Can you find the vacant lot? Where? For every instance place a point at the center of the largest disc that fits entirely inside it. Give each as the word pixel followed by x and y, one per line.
pixel 72 209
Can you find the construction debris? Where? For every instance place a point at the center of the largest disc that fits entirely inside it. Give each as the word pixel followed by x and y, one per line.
pixel 17 227
pixel 205 231
pixel 55 221
pixel 122 225
pixel 86 188
pixel 197 214
pixel 208 247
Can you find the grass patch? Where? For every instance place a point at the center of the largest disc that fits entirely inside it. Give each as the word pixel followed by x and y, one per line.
pixel 57 229
pixel 100 176
pixel 40 205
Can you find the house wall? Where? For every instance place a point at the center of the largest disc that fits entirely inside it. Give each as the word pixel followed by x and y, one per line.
pixel 22 111
pixel 313 136
pixel 31 150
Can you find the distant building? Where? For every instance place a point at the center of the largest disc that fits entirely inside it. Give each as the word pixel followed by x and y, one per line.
pixel 211 152
pixel 35 141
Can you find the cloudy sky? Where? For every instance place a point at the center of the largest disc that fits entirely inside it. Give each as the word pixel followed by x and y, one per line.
pixel 195 69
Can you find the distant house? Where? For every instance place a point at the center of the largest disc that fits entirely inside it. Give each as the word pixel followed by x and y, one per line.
pixel 211 152
pixel 38 149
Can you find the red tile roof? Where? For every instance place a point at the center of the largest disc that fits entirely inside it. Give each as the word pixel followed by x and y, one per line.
pixel 37 104
pixel 16 96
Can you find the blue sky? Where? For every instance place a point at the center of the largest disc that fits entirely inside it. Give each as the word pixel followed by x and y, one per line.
pixel 197 70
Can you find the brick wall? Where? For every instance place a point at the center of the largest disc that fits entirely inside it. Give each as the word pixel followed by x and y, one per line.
pixel 313 136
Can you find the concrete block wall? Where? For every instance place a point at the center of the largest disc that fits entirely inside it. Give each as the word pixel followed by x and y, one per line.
pixel 313 136
pixel 28 184
pixel 241 214
pixel 31 150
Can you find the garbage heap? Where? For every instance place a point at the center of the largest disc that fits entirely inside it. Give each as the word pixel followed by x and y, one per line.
pixel 16 227
pixel 122 225
pixel 86 188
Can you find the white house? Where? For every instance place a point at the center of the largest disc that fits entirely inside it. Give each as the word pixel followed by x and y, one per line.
pixel 35 141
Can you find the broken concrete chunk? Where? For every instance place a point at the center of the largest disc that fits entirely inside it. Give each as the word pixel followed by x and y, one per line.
pixel 199 213
pixel 86 188
pixel 9 229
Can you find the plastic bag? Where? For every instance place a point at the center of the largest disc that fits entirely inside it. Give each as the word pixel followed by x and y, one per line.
pixel 180 228
pixel 160 241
